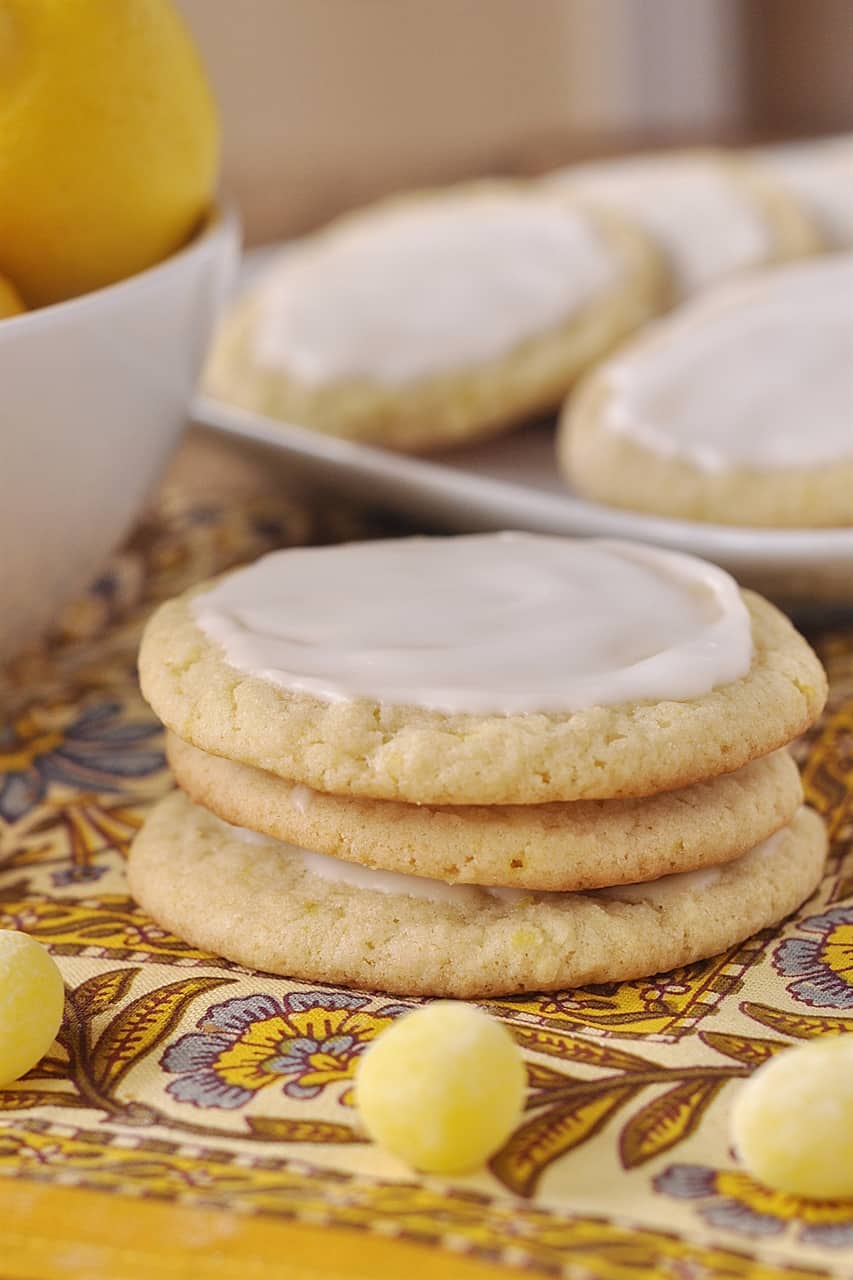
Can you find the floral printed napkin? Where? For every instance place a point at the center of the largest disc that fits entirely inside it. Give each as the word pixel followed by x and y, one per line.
pixel 183 1081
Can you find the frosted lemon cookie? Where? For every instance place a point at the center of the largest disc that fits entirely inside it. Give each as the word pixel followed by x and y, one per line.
pixel 710 215
pixel 489 669
pixel 819 176
pixel 737 409
pixel 572 846
pixel 274 907
pixel 429 320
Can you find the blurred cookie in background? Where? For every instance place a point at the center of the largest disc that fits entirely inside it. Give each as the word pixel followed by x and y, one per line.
pixel 737 409
pixel 819 176
pixel 437 318
pixel 710 215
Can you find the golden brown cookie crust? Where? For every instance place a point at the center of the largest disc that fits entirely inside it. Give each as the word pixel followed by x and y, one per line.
pixel 391 752
pixel 257 904
pixel 573 846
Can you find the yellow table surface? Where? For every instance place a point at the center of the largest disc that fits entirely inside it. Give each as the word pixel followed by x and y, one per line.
pixel 196 1120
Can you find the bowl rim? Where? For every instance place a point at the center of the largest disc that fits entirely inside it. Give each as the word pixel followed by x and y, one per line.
pixel 217 228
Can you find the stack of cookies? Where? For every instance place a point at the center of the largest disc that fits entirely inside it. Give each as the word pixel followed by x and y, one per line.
pixel 477 765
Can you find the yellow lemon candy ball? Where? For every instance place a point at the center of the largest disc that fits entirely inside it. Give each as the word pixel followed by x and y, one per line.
pixel 442 1088
pixel 108 141
pixel 31 1002
pixel 792 1122
pixel 10 303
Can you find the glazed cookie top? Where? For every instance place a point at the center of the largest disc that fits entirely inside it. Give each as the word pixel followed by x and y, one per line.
pixel 692 205
pixel 428 286
pixel 758 374
pixel 486 624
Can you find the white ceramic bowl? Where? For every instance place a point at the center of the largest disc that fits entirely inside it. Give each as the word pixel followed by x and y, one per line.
pixel 93 396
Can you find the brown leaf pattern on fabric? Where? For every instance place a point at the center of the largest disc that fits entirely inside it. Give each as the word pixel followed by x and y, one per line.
pixel 538 1143
pixel 666 1121
pixel 142 1026
pixel 99 993
pixel 749 1050
pixel 802 1026
pixel 593 1053
pixel 541 1077
pixel 16 1099
pixel 283 1129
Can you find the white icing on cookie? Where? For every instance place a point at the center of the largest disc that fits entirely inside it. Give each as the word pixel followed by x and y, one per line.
pixel 691 206
pixel 819 176
pixel 301 797
pixel 489 623
pixel 359 877
pixel 657 891
pixel 758 374
pixel 429 287
pixel 243 833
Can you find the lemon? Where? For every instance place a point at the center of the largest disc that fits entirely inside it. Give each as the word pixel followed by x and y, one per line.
pixel 31 1002
pixel 10 303
pixel 792 1122
pixel 108 141
pixel 442 1088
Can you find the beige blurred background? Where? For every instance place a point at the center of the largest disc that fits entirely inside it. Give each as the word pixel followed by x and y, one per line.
pixel 327 103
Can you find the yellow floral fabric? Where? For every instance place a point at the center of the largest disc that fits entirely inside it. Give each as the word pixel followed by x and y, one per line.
pixel 181 1079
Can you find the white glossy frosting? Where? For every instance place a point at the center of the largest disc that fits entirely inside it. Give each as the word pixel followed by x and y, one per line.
pixel 758 374
pixel 690 205
pixel 360 877
pixel 429 287
pixel 243 833
pixel 488 623
pixel 658 891
pixel 819 175
pixel 301 797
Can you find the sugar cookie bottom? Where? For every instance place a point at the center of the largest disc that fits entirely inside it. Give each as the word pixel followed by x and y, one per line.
pixel 257 903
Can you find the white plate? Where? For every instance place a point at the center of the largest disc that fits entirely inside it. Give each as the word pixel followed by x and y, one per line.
pixel 512 482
